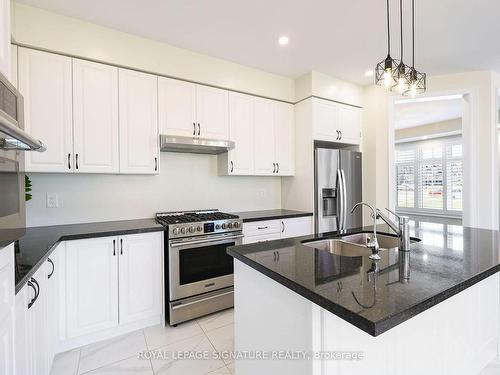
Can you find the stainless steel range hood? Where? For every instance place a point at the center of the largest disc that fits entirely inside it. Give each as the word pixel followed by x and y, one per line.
pixel 194 145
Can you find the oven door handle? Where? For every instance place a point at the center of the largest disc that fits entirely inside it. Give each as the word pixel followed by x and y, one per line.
pixel 181 305
pixel 188 243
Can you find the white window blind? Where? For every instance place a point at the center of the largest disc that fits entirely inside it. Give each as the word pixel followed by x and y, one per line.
pixel 429 176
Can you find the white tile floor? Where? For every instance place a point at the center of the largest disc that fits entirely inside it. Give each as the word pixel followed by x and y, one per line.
pixel 120 355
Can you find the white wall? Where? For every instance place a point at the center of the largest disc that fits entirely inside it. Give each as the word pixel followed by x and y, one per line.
pixel 187 181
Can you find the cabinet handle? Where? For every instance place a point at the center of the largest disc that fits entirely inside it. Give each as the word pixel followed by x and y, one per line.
pixel 278 169
pixel 156 164
pixel 114 247
pixel 282 226
pixel 32 283
pixel 199 129
pixel 274 253
pixel 194 128
pixel 278 256
pixel 232 166
pixel 76 161
pixel 263 227
pixel 53 268
pixel 274 167
pixel 338 134
pixel 69 161
pixel 121 246
pixel 340 131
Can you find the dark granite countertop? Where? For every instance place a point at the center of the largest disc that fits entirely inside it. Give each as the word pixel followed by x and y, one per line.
pixel 36 243
pixel 249 216
pixel 449 259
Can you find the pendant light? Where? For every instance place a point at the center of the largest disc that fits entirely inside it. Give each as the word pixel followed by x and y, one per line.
pixel 402 73
pixel 416 84
pixel 384 72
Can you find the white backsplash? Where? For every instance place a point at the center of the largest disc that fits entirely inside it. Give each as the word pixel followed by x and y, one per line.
pixel 186 181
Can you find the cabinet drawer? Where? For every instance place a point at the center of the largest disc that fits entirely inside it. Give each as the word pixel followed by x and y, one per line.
pixel 261 238
pixel 261 227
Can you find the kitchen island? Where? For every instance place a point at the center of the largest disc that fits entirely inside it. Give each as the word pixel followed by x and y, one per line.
pixel 294 299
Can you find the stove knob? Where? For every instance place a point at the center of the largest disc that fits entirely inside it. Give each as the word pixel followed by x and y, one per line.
pixel 224 226
pixel 230 225
pixel 199 228
pixel 183 230
pixel 236 224
pixel 175 231
pixel 191 229
pixel 217 226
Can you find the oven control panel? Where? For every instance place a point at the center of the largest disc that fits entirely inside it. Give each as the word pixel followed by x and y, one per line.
pixel 203 228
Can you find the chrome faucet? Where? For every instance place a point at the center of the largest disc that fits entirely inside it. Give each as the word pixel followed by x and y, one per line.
pixel 401 227
pixel 372 242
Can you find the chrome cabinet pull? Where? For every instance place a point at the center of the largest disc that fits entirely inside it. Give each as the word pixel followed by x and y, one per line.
pixel 199 129
pixel 156 164
pixel 53 268
pixel 69 161
pixel 232 166
pixel 76 161
pixel 121 246
pixel 114 247
pixel 282 226
pixel 340 131
pixel 263 227
pixel 194 128
pixel 278 169
pixel 274 167
pixel 32 283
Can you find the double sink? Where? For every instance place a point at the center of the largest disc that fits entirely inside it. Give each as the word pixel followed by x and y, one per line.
pixel 354 245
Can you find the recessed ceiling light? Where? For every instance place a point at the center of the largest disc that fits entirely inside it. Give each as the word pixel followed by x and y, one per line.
pixel 368 73
pixel 283 40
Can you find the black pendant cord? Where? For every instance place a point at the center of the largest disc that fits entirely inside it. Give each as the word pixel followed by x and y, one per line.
pixel 388 31
pixel 413 33
pixel 401 26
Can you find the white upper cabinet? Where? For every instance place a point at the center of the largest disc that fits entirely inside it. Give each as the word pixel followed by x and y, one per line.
pixel 140 277
pixel 241 132
pixel 212 115
pixel 45 83
pixel 95 117
pixel 139 142
pixel 91 285
pixel 264 131
pixel 5 38
pixel 284 130
pixel 336 122
pixel 177 107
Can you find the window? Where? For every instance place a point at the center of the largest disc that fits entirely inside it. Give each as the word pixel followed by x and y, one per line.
pixel 429 176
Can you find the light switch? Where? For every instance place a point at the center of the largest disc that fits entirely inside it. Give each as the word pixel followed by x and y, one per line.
pixel 52 200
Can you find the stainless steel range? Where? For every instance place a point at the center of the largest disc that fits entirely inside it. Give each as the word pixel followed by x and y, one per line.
pixel 200 273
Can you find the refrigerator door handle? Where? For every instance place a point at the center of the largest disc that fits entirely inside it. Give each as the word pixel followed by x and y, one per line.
pixel 344 191
pixel 341 200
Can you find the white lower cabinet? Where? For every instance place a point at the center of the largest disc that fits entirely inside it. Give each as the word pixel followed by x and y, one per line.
pixel 267 230
pixel 22 331
pixel 110 282
pixel 39 336
pixel 7 310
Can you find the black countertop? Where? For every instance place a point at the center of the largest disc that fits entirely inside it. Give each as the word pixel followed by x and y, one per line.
pixel 249 216
pixel 449 259
pixel 36 243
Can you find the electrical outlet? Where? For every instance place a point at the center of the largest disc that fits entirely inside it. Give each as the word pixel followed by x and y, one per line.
pixel 262 193
pixel 52 200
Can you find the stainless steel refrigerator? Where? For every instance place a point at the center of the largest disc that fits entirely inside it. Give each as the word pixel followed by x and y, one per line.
pixel 337 182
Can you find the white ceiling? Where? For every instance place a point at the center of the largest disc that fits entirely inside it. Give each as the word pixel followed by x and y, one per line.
pixel 339 38
pixel 409 115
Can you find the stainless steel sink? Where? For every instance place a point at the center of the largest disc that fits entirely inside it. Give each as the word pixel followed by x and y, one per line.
pixel 338 246
pixel 354 245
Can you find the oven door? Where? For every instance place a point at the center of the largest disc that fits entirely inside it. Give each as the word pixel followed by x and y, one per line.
pixel 200 264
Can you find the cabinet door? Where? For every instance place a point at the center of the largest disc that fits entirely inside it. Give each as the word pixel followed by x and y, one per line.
pixel 140 277
pixel 45 83
pixel 5 37
pixel 284 126
pixel 264 144
pixel 212 114
pixel 7 310
pixel 177 107
pixel 300 226
pixel 95 109
pixel 23 342
pixel 39 328
pixel 139 144
pixel 350 124
pixel 53 268
pixel 91 285
pixel 325 120
pixel 241 132
pixel 261 238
